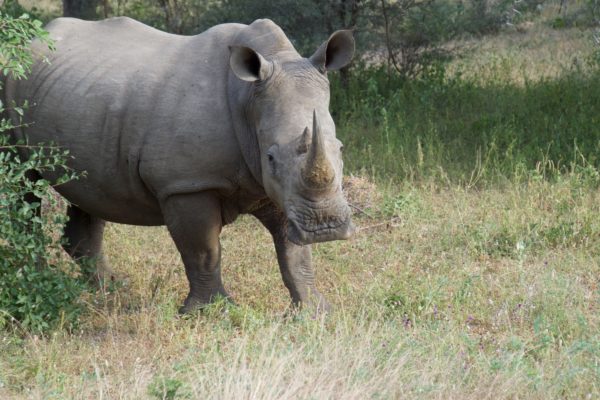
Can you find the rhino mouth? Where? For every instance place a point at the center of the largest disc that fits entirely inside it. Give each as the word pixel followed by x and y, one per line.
pixel 310 225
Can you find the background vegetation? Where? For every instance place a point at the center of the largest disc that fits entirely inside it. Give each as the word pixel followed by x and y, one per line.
pixel 472 142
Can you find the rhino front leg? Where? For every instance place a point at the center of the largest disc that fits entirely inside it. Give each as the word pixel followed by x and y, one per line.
pixel 295 262
pixel 194 222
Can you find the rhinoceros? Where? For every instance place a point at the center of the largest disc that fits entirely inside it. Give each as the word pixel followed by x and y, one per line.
pixel 190 132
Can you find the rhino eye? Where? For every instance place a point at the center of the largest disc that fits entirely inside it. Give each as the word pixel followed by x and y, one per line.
pixel 271 152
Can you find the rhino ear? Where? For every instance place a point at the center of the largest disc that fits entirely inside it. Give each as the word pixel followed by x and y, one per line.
pixel 247 64
pixel 335 53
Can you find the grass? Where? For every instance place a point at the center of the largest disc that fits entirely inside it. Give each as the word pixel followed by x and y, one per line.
pixel 459 130
pixel 471 294
pixel 475 273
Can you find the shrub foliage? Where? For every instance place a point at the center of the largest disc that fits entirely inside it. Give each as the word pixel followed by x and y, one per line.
pixel 37 286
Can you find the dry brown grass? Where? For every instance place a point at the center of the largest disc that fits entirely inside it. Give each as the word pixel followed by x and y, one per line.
pixel 463 298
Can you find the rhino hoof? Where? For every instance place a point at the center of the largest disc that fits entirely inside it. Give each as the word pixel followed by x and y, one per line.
pixel 193 304
pixel 104 280
pixel 316 307
pixel 189 309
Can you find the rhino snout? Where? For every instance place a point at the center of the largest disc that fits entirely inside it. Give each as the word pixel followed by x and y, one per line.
pixel 302 231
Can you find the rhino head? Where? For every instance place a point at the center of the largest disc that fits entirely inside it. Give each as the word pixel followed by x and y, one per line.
pixel 300 158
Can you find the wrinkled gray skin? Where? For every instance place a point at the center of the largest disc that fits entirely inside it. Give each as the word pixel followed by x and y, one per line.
pixel 190 132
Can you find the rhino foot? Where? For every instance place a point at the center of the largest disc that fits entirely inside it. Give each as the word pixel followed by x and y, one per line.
pixel 195 302
pixel 316 305
pixel 99 273
pixel 106 279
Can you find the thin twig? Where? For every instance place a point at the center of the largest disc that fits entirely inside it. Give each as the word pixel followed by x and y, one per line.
pixel 392 223
pixel 387 37
pixel 357 208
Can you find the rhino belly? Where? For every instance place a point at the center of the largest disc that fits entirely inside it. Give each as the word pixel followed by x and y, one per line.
pixel 108 185
pixel 132 211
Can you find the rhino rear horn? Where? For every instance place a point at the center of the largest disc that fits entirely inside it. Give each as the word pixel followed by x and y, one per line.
pixel 317 172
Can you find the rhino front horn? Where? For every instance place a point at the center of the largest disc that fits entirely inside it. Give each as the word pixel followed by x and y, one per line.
pixel 317 172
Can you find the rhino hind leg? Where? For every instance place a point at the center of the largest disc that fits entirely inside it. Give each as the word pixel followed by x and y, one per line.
pixel 194 222
pixel 83 241
pixel 295 263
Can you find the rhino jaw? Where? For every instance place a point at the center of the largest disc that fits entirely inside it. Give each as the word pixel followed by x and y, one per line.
pixel 303 236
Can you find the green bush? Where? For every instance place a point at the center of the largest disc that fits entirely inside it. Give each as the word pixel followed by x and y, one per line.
pixel 38 289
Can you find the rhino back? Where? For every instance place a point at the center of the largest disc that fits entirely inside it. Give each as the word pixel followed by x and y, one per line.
pixel 143 112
